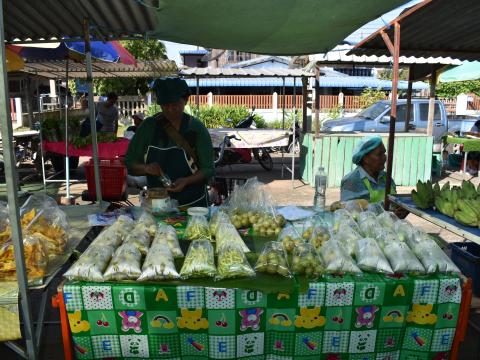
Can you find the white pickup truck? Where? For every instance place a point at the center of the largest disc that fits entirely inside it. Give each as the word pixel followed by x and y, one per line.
pixel 376 118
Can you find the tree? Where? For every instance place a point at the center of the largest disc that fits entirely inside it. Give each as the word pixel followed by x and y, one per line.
pixel 452 89
pixel 142 50
pixel 387 74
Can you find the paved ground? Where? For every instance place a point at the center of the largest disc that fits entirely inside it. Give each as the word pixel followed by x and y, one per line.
pixel 285 193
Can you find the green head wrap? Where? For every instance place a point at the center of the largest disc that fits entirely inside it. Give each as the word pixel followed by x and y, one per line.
pixel 170 89
pixel 367 145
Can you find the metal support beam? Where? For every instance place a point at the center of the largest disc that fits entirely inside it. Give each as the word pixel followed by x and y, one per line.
pixel 431 101
pixel 317 101
pixel 197 97
pixel 67 160
pixel 409 97
pixel 91 111
pixel 393 112
pixel 283 103
pixel 12 195
pixel 305 127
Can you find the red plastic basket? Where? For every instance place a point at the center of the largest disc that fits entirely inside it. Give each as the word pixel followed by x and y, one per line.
pixel 113 178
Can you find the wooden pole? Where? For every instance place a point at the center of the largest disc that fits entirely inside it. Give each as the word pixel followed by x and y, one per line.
pixel 409 97
pixel 317 101
pixel 305 127
pixel 431 101
pixel 393 112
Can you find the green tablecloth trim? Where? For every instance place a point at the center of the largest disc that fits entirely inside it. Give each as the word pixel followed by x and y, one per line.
pixel 468 144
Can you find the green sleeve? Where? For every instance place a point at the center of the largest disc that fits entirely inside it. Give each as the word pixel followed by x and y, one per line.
pixel 204 150
pixel 138 145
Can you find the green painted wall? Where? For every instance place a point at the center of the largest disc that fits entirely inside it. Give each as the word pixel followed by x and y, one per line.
pixel 412 157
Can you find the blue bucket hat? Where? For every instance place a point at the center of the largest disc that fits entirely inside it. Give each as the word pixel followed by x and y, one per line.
pixel 170 89
pixel 367 145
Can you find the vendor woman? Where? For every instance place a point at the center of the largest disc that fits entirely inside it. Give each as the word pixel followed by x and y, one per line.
pixel 175 144
pixel 367 181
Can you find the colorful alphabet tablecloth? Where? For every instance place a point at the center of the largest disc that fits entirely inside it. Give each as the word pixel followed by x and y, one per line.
pixel 338 317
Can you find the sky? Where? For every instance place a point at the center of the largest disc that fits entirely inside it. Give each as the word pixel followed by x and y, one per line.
pixel 174 48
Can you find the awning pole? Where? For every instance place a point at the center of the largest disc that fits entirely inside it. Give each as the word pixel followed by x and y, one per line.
pixel 283 105
pixel 294 127
pixel 409 97
pixel 197 97
pixel 67 160
pixel 91 111
pixel 12 196
pixel 393 112
pixel 305 126
pixel 431 101
pixel 317 101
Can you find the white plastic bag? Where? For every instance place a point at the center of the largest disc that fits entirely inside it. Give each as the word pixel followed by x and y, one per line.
pixel 91 264
pixel 347 237
pixel 404 230
pixel 167 235
pixel 125 263
pixel 336 260
pixel 433 258
pixel 159 264
pixel 401 258
pixel 370 257
pixel 387 219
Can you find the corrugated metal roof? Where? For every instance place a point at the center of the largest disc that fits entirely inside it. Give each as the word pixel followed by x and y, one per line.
pixel 444 28
pixel 231 72
pixel 338 55
pixel 56 69
pixel 259 60
pixel 193 52
pixel 354 82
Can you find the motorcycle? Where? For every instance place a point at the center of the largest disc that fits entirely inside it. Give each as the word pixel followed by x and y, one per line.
pixel 225 155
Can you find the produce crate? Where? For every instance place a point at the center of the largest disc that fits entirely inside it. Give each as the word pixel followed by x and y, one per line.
pixel 466 255
pixel 113 178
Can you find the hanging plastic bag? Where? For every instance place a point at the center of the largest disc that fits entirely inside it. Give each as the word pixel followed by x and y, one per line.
pixel 228 234
pixel 401 258
pixel 167 235
pixel 370 257
pixel 433 258
pixel 404 230
pixel 197 228
pixel 125 264
pixel 199 261
pixel 273 260
pixel 289 238
pixel 305 261
pixel 159 264
pixel 336 260
pixel 347 237
pixel 232 262
pixel 387 219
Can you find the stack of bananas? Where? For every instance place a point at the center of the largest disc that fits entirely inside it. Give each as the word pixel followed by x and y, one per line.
pixel 460 202
pixel 424 196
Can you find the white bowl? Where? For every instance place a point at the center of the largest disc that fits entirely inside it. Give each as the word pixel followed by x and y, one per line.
pixel 197 211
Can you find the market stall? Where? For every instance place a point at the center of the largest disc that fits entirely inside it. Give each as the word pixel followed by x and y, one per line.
pixel 317 286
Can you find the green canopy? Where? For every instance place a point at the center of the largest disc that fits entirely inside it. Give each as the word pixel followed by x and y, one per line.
pixel 286 27
pixel 469 70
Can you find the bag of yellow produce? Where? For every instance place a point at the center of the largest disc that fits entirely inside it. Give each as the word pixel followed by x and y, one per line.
pixel 289 237
pixel 125 263
pixel 273 260
pixel 167 235
pixel 159 264
pixel 232 262
pixel 199 261
pixel 197 228
pixel 305 261
pixel 336 260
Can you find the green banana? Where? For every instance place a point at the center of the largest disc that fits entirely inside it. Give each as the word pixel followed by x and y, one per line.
pixel 468 190
pixel 436 190
pixel 465 218
pixel 423 196
pixel 444 207
pixel 468 207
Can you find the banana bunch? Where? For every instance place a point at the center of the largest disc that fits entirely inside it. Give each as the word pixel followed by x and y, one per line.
pixel 468 212
pixel 468 190
pixel 423 196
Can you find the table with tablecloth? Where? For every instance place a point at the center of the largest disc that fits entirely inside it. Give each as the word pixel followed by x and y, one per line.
pixel 336 317
pixel 105 150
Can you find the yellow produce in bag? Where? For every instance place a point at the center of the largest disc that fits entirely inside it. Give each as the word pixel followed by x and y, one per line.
pixel 9 317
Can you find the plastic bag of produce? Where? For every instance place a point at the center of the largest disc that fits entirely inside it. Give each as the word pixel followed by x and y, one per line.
pixel 148 223
pixel 140 238
pixel 347 237
pixel 384 236
pixel 320 235
pixel 269 225
pixel 354 208
pixel 217 218
pixel 336 260
pixel 341 219
pixel 125 263
pixel 368 226
pixel 387 219
pixel 376 208
pixel 401 258
pixel 227 234
pixel 305 261
pixel 418 236
pixel 120 229
pixel 370 257
pixel 167 235
pixel 91 264
pixel 197 228
pixel 404 230
pixel 159 264
pixel 433 258
pixel 289 237
pixel 273 260
pixel 199 261
pixel 232 262
pixel 366 215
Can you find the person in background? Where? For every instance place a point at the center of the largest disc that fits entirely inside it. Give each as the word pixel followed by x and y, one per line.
pixel 174 144
pixel 473 157
pixel 367 181
pixel 137 121
pixel 107 114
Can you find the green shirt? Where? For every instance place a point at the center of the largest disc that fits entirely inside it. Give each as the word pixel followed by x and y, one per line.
pixel 149 134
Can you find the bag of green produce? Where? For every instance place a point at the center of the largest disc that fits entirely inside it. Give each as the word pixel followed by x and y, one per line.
pixel 432 257
pixel 366 215
pixel 401 258
pixel 159 264
pixel 387 219
pixel 125 264
pixel 148 223
pixel 199 261
pixel 308 227
pixel 228 234
pixel 320 235
pixel 404 230
pixel 217 218
pixel 116 233
pixel 140 238
pixel 370 257
pixel 91 264
pixel 166 234
pixel 197 228
pixel 232 262
pixel 289 237
pixel 347 238
pixel 384 236
pixel 368 226
pixel 336 260
pixel 354 208
pixel 342 218
pixel 376 208
pixel 273 260
pixel 305 261
pixel 268 225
